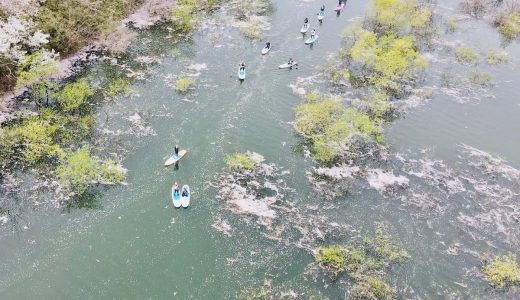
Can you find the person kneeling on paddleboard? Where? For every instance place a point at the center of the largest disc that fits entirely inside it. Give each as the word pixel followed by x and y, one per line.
pixel 242 66
pixel 184 193
pixel 175 188
pixel 268 45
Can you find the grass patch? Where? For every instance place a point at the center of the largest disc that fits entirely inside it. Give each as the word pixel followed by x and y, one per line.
pixel 495 57
pixel 332 258
pixel 371 287
pixel 503 271
pixel 480 78
pixel 117 86
pixel 184 83
pixel 466 55
pixel 184 16
pixel 509 24
pixel 240 162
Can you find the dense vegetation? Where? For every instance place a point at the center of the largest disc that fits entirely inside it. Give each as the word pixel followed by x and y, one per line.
pixel 503 271
pixel 380 57
pixel 364 262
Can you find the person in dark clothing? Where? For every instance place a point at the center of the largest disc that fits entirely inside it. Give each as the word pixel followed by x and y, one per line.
pixel 175 188
pixel 322 9
pixel 242 66
pixel 184 193
pixel 176 149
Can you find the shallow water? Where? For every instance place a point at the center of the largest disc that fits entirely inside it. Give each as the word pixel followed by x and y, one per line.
pixel 134 244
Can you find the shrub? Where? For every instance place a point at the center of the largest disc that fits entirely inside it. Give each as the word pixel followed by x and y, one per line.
pixel 384 248
pixel 184 16
pixel 36 68
pixel 251 30
pixel 466 55
pixel 331 258
pixel 481 78
pixel 74 94
pixel 495 57
pixel 36 137
pixel 184 83
pixel 371 287
pixel 78 170
pixel 240 162
pixel 117 86
pixel 111 172
pixel 509 25
pixel 503 271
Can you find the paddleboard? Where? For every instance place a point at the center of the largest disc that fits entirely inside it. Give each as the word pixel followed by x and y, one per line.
pixel 311 40
pixel 339 7
pixel 175 158
pixel 265 50
pixel 321 15
pixel 241 74
pixel 176 198
pixel 305 27
pixel 286 66
pixel 185 200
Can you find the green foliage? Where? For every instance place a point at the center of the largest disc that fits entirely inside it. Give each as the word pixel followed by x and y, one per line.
pixel 340 74
pixel 451 25
pixel 387 61
pixel 371 287
pixel 74 94
pixel 184 83
pixel 495 57
pixel 509 26
pixel 72 23
pixel 117 86
pixel 78 170
pixel 329 127
pixel 255 294
pixel 240 162
pixel 184 16
pixel 111 172
pixel 251 30
pixel 466 55
pixel 35 68
pixel 36 138
pixel 331 258
pixel 481 78
pixel 383 248
pixel 503 271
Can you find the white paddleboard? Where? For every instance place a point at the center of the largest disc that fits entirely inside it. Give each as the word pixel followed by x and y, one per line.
pixel 305 28
pixel 321 15
pixel 311 40
pixel 286 66
pixel 241 74
pixel 265 50
pixel 185 200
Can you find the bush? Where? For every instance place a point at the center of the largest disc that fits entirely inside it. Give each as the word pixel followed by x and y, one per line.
pixel 78 170
pixel 509 25
pixel 503 271
pixel 36 138
pixel 74 94
pixel 117 86
pixel 384 248
pixel 331 258
pixel 240 162
pixel 111 172
pixel 371 287
pixel 184 16
pixel 495 57
pixel 481 78
pixel 251 30
pixel 72 23
pixel 466 55
pixel 184 83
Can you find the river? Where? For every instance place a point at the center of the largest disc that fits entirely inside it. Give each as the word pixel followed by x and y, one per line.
pixel 131 243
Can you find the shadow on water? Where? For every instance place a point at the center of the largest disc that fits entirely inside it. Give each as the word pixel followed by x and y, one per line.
pixel 87 200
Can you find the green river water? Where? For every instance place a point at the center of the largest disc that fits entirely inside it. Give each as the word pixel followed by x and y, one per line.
pixel 132 244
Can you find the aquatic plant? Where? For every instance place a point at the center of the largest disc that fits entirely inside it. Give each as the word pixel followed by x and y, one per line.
pixel 480 78
pixel 382 246
pixel 503 271
pixel 495 57
pixel 451 25
pixel 371 287
pixel 240 162
pixel 330 128
pixel 80 169
pixel 74 94
pixel 331 258
pixel 466 55
pixel 509 25
pixel 251 30
pixel 117 86
pixel 184 83
pixel 261 293
pixel 184 16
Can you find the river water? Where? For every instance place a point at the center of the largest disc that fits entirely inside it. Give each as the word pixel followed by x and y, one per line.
pixel 129 242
